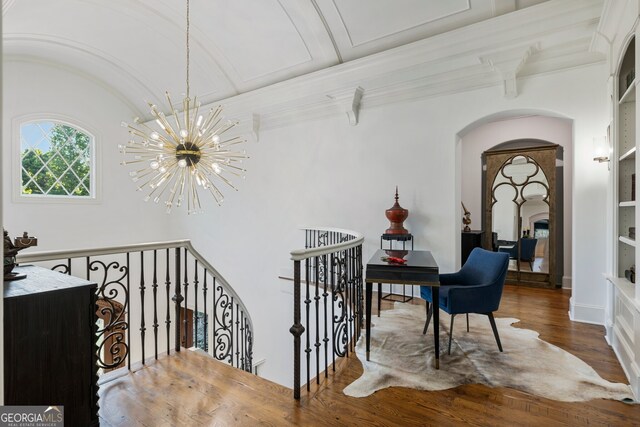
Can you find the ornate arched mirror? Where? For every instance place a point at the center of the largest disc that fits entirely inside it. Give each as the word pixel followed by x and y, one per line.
pixel 520 212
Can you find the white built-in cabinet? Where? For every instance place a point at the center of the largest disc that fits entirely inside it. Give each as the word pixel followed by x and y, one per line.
pixel 623 296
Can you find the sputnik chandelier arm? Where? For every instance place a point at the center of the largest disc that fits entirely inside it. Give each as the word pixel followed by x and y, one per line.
pixel 177 160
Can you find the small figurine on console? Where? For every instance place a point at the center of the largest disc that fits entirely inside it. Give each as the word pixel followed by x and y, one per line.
pixel 466 220
pixel 11 249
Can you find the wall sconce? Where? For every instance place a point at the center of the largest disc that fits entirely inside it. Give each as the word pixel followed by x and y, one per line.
pixel 601 149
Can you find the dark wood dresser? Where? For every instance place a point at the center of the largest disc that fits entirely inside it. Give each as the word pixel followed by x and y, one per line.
pixel 469 240
pixel 50 344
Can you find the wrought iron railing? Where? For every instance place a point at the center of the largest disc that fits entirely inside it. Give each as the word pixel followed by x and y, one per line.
pixel 333 300
pixel 154 294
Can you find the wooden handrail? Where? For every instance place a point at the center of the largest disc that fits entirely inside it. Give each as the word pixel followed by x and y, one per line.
pixel 301 254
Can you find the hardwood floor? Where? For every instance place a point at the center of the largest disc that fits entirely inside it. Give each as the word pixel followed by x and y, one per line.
pixel 190 389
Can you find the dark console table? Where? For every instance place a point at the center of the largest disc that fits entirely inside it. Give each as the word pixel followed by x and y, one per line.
pixel 420 269
pixel 50 344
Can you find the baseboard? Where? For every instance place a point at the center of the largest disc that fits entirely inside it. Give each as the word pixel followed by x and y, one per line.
pixel 566 282
pixel 585 313
pixel 257 364
pixel 630 368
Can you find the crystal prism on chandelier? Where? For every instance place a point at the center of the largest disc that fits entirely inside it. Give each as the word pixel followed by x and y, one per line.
pixel 177 162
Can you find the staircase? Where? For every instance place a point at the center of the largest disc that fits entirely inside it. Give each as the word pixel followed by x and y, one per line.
pixel 154 299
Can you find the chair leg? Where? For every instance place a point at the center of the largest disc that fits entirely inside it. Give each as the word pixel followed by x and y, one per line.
pixel 451 332
pixel 495 330
pixel 429 314
pixel 467 322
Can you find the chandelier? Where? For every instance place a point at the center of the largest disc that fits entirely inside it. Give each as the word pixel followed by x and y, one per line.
pixel 185 155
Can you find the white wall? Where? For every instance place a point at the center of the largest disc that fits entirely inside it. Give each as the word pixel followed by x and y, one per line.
pixel 120 217
pixel 326 172
pixel 322 172
pixel 481 138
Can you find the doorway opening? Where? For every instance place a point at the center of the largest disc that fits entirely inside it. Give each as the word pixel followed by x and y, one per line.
pixel 516 129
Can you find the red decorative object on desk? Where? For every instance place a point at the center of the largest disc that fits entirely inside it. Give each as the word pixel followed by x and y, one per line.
pixel 393 260
pixel 396 216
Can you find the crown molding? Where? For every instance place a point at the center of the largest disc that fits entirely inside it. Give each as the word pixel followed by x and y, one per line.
pixel 549 37
pixel 546 38
pixel 608 26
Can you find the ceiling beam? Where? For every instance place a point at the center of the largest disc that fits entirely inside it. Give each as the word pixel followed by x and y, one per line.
pixel 329 33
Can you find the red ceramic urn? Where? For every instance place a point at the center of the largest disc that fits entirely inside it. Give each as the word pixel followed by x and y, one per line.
pixel 396 216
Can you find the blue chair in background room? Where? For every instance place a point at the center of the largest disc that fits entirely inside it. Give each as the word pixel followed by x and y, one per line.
pixel 527 251
pixel 476 288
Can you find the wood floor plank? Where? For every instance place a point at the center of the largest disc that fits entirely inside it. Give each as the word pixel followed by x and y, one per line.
pixel 188 388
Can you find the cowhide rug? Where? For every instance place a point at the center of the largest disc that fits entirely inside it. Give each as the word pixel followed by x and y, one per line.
pixel 402 356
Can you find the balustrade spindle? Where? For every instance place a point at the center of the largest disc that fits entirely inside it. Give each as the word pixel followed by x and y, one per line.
pixel 142 289
pixel 154 286
pixel 337 319
pixel 128 311
pixel 349 318
pixel 177 300
pixel 296 329
pixel 167 282
pixel 325 294
pixel 360 283
pixel 185 320
pixel 231 332
pixel 206 313
pixel 317 300
pixel 353 297
pixel 237 336
pixel 196 316
pixel 247 349
pixel 307 302
pixel 214 320
pixel 242 342
pixel 333 307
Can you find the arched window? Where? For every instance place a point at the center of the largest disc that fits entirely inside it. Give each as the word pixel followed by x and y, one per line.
pixel 56 160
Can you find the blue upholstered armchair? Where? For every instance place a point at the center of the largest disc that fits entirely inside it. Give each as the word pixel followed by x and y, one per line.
pixel 476 288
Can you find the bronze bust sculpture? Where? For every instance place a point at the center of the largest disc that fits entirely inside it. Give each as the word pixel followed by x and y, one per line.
pixel 11 249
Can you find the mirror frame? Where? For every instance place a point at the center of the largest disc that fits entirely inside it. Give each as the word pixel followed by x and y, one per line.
pixel 545 157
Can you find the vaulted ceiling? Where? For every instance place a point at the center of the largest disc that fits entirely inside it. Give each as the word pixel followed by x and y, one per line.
pixel 137 47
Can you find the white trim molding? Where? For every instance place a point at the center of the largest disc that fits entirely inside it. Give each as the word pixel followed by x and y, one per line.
pixel 585 313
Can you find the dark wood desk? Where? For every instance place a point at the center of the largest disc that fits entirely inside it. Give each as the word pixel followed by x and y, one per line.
pixel 420 269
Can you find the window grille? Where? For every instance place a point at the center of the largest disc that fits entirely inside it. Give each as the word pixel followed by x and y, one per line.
pixel 56 159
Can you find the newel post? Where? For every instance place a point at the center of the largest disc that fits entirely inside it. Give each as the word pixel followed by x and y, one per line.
pixel 296 330
pixel 177 299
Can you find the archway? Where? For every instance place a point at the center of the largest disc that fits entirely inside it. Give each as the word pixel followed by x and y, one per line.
pixel 501 127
